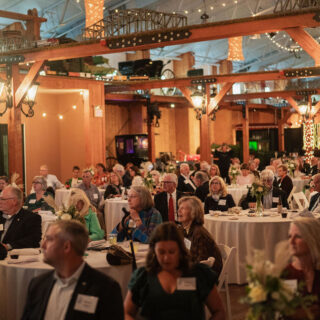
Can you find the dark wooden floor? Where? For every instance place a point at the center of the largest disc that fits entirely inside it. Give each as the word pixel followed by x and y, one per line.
pixel 238 309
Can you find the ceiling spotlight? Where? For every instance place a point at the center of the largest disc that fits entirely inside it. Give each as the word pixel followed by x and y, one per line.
pixel 172 105
pixel 60 116
pixel 74 107
pixel 44 114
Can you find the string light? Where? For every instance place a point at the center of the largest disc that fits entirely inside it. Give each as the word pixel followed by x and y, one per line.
pixel 60 116
pixel 308 139
pixel 44 114
pixel 74 107
pixel 280 46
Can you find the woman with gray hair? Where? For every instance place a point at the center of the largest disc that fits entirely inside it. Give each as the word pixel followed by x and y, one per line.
pixel 36 200
pixel 219 198
pixel 141 218
pixel 80 201
pixel 199 240
pixel 304 246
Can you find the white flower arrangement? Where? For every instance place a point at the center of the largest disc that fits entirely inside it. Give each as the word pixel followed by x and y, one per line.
pixel 233 173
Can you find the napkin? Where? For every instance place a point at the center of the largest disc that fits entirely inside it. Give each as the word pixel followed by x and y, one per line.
pixel 22 259
pixel 25 252
pixel 97 243
pixel 304 213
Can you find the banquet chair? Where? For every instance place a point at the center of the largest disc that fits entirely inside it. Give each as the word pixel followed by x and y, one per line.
pixel 290 197
pixel 301 200
pixel 227 254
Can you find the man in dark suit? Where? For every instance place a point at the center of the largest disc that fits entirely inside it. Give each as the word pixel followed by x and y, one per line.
pixel 185 184
pixel 284 181
pixel 19 228
pixel 272 198
pixel 201 180
pixel 315 199
pixel 74 290
pixel 166 202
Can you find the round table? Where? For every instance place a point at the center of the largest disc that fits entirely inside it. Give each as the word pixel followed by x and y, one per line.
pixel 62 197
pixel 113 212
pixel 300 183
pixel 237 192
pixel 15 279
pixel 246 234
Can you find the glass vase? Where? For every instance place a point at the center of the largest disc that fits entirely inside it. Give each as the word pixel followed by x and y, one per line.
pixel 259 208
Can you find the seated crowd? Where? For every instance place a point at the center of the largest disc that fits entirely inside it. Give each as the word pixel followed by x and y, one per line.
pixel 170 218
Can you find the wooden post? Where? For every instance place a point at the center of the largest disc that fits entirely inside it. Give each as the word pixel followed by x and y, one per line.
pixel 151 143
pixel 205 150
pixel 14 130
pixel 281 133
pixel 245 133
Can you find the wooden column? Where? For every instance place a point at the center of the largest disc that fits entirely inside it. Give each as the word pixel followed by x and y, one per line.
pixel 205 149
pixel 151 143
pixel 14 130
pixel 245 134
pixel 281 132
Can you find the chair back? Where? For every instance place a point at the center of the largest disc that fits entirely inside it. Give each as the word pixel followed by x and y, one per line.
pixel 301 200
pixel 290 197
pixel 227 254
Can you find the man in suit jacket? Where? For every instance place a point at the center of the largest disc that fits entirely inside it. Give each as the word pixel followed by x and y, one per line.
pixel 201 180
pixel 162 199
pixel 185 184
pixel 284 181
pixel 315 199
pixel 19 228
pixel 74 290
pixel 273 197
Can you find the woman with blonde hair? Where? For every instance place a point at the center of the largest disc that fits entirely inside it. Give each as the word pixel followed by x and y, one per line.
pixel 201 243
pixel 304 246
pixel 214 171
pixel 80 201
pixel 218 198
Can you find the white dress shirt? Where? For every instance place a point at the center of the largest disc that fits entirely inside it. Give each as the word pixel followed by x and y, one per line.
pixel 61 295
pixel 187 180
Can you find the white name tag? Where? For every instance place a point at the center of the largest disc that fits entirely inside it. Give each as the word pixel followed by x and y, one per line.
pixel 32 201
pixel 275 199
pixel 186 284
pixel 95 196
pixel 292 284
pixel 222 202
pixel 86 303
pixel 187 243
pixel 1 227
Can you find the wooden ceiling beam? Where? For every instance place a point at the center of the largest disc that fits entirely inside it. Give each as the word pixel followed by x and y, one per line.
pixel 264 95
pixel 293 103
pixel 198 33
pixel 20 16
pixel 120 86
pixel 223 91
pixel 307 42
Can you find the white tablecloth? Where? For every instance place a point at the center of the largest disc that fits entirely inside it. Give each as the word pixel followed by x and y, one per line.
pixel 15 278
pixel 113 212
pixel 62 196
pixel 299 183
pixel 246 234
pixel 237 192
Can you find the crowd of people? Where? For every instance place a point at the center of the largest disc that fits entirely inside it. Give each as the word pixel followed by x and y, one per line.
pixel 169 216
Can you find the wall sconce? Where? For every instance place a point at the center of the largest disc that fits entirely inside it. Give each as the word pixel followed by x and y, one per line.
pixel 29 100
pixel 199 101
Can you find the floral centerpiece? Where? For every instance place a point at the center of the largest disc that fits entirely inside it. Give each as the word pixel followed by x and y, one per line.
pixel 234 172
pixel 270 297
pixel 258 190
pixel 291 167
pixel 148 182
pixel 70 214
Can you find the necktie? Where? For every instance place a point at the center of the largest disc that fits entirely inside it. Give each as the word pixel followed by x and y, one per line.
pixel 171 208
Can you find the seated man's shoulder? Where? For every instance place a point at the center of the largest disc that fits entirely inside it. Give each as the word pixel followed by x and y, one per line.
pixel 26 214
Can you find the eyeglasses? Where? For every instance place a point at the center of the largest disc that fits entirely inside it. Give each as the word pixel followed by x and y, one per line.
pixel 215 183
pixel 4 199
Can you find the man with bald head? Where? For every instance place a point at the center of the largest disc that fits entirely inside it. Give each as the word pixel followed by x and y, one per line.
pixel 19 228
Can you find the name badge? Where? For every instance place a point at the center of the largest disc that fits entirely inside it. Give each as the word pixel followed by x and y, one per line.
pixel 186 284
pixel 86 303
pixel 222 202
pixel 95 196
pixel 1 227
pixel 292 284
pixel 32 201
pixel 187 243
pixel 275 199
